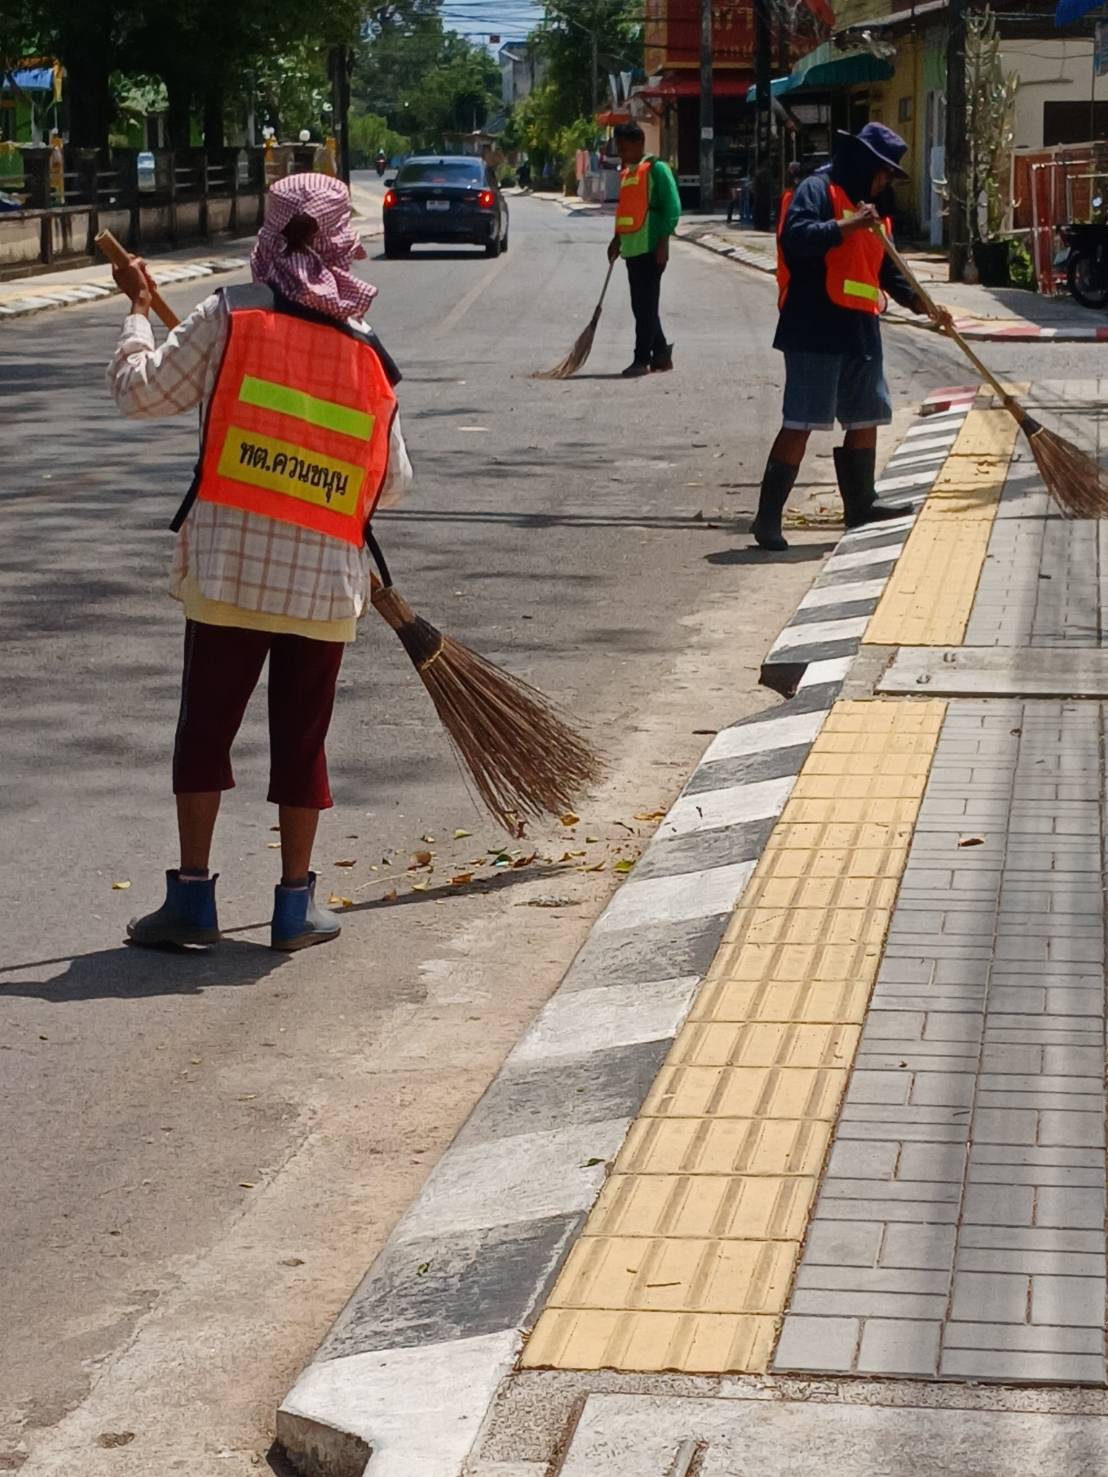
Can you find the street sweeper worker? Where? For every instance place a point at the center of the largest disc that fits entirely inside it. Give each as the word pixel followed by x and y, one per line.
pixel 301 441
pixel 833 277
pixel 647 213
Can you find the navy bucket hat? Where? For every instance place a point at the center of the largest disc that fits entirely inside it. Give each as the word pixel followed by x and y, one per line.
pixel 887 147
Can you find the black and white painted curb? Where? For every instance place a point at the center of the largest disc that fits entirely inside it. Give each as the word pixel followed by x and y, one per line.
pixel 403 1380
pixel 166 273
pixel 831 619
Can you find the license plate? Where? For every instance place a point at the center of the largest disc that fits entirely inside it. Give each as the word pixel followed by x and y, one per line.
pixel 438 205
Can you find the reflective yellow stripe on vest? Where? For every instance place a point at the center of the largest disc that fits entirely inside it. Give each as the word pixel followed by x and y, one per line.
pixel 861 289
pixel 285 400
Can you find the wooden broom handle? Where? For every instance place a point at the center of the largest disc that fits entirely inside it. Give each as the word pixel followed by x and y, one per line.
pixel 116 253
pixel 914 283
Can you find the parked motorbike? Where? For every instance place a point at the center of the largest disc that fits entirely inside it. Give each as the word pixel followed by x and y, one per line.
pixel 1087 262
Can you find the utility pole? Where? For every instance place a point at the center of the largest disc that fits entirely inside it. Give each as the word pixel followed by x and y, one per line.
pixel 707 112
pixel 595 72
pixel 956 149
pixel 763 61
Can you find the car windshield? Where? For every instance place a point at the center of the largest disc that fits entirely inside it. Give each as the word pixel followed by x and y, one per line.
pixel 438 172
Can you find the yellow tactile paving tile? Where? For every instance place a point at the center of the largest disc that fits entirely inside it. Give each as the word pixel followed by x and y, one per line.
pixel 771 1208
pixel 740 1147
pixel 639 1342
pixel 928 599
pixel 687 1257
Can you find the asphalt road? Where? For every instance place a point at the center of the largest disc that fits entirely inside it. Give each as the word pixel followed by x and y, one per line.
pixel 203 1153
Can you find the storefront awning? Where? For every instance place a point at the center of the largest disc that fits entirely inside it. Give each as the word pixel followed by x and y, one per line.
pixel 671 88
pixel 823 69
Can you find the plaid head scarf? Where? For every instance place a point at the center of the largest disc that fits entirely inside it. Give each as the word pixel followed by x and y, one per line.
pixel 317 274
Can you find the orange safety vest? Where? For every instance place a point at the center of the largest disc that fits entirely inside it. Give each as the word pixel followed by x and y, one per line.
pixel 298 425
pixel 853 267
pixel 634 198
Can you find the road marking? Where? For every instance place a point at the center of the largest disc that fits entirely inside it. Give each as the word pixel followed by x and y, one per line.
pixel 463 305
pixel 686 1260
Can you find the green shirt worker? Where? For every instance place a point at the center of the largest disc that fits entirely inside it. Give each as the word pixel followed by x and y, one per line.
pixel 647 213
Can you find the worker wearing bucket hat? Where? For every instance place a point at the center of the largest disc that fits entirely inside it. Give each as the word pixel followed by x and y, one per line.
pixel 833 279
pixel 301 442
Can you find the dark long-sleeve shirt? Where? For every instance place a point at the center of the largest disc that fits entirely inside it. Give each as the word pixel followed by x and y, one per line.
pixel 810 320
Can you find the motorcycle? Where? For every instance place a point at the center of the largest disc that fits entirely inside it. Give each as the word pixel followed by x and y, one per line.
pixel 382 164
pixel 1087 262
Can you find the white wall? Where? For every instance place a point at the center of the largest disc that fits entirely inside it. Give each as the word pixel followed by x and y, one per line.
pixel 1049 71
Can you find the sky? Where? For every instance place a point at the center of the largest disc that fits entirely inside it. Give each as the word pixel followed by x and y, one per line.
pixel 479 19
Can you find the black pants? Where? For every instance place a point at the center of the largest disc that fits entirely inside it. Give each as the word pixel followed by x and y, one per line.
pixel 645 277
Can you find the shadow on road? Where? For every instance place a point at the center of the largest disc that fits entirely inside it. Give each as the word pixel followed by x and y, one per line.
pixel 124 973
pixel 795 554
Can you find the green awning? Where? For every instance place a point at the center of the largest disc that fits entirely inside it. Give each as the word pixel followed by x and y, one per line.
pixel 823 68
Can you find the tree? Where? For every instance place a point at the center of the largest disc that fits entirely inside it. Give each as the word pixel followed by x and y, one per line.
pixel 421 78
pixel 582 41
pixel 990 104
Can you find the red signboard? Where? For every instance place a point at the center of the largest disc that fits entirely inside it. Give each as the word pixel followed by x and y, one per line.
pixel 673 34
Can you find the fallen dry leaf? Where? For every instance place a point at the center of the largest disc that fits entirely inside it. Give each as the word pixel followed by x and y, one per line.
pixel 430 840
pixel 120 886
pixel 421 859
pixel 971 841
pixel 350 861
pixel 273 845
pixel 569 819
pixel 390 896
pixel 525 861
pixel 420 886
pixel 461 835
pixel 649 815
pixel 592 840
pixel 461 878
pixel 625 865
pixel 246 1185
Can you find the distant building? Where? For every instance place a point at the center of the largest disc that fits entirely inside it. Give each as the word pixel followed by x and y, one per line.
pixel 522 69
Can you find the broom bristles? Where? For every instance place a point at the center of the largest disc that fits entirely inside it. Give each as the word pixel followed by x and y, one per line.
pixel 1073 479
pixel 523 760
pixel 576 356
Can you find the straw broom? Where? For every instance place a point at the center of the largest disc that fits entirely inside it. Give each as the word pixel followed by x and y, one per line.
pixel 523 760
pixel 1074 480
pixel 582 348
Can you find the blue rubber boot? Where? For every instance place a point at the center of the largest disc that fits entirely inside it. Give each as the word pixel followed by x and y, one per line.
pixel 299 921
pixel 188 915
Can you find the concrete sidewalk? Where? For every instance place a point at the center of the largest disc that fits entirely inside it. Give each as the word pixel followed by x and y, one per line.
pixel 861 1210
pixel 988 314
pixel 74 285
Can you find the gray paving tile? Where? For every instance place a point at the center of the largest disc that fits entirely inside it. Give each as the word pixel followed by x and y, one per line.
pixel 899 1346
pixel 1028 1337
pixel 843 1243
pixel 1074 1301
pixel 990 1297
pixel 817 1343
pixel 929 1247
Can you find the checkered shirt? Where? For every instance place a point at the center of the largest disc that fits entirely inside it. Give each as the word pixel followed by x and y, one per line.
pixel 239 558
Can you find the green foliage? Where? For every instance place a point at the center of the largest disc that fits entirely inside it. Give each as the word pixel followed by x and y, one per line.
pixel 1021 270
pixel 990 105
pixel 566 41
pixel 422 79
pixel 369 132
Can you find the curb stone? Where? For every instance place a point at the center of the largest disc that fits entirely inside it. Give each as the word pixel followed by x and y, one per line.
pixel 169 274
pixel 405 1376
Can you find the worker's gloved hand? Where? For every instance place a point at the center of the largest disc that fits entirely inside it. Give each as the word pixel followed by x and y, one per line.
pixel 942 318
pixel 613 248
pixel 863 219
pixel 135 282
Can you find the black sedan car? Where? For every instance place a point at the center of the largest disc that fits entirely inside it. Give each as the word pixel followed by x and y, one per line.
pixel 445 200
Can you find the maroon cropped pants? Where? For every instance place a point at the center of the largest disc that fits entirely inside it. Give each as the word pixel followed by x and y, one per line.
pixel 222 667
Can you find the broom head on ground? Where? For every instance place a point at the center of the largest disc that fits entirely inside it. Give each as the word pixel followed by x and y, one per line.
pixel 1076 482
pixel 524 761
pixel 582 348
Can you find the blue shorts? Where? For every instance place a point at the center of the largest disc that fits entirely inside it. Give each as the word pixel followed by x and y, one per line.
pixel 821 389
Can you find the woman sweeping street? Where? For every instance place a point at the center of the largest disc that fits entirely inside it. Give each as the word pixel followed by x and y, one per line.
pixel 301 442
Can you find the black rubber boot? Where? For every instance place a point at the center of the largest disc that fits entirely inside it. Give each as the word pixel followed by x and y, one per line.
pixel 777 483
pixel 856 468
pixel 661 361
pixel 635 370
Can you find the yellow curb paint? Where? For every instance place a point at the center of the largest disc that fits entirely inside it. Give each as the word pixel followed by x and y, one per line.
pixel 928 599
pixel 686 1260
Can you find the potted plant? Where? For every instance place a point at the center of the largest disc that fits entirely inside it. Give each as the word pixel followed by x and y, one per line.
pixel 990 103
